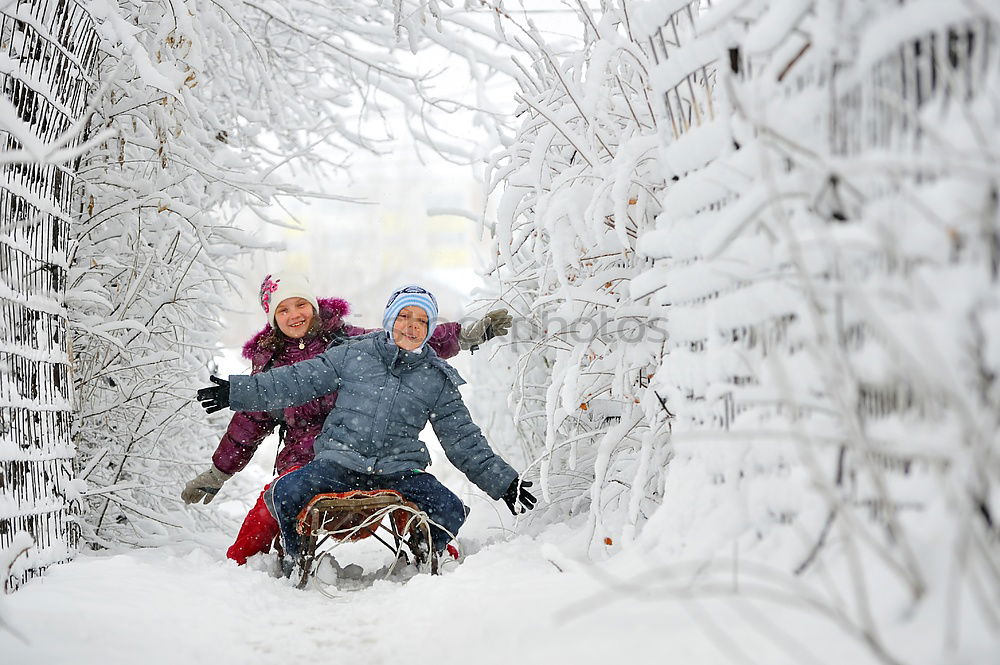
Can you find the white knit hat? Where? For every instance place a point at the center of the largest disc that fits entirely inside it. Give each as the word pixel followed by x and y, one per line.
pixel 289 285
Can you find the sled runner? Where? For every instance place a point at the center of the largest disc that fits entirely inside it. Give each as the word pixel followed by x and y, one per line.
pixel 339 517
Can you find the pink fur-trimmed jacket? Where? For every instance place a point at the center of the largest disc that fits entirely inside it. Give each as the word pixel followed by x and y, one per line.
pixel 302 423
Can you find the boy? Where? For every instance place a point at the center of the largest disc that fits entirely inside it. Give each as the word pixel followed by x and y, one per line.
pixel 390 384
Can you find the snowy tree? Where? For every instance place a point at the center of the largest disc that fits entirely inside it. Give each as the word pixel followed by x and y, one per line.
pixel 215 108
pixel 578 190
pixel 47 57
pixel 803 197
pixel 192 115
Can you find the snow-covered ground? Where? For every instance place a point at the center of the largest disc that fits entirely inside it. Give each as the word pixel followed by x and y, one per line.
pixel 521 596
pixel 508 602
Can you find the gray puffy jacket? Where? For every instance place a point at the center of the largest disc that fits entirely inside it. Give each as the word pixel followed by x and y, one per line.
pixel 386 396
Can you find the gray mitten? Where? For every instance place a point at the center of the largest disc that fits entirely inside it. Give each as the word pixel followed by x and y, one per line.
pixel 494 324
pixel 205 486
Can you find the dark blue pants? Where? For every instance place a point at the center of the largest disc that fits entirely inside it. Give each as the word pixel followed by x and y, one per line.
pixel 290 493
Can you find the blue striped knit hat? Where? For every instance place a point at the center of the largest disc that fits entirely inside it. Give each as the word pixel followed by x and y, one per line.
pixel 411 294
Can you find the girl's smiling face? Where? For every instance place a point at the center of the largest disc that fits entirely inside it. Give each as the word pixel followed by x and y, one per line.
pixel 294 316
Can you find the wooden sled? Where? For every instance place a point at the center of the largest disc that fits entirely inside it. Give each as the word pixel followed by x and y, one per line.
pixel 339 517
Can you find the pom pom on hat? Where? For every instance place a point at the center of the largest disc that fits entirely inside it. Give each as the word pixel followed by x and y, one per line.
pixel 289 285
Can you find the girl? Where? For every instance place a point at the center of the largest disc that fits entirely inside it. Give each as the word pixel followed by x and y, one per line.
pixel 300 327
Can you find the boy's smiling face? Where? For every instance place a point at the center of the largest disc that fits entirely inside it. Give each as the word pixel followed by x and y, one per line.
pixel 410 328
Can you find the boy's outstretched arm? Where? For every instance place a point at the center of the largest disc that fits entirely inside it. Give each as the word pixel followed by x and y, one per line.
pixel 465 445
pixel 277 388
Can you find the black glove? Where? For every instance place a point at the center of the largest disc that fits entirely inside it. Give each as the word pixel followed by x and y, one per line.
pixel 214 398
pixel 515 493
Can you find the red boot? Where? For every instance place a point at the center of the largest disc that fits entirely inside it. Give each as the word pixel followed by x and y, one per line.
pixel 255 536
